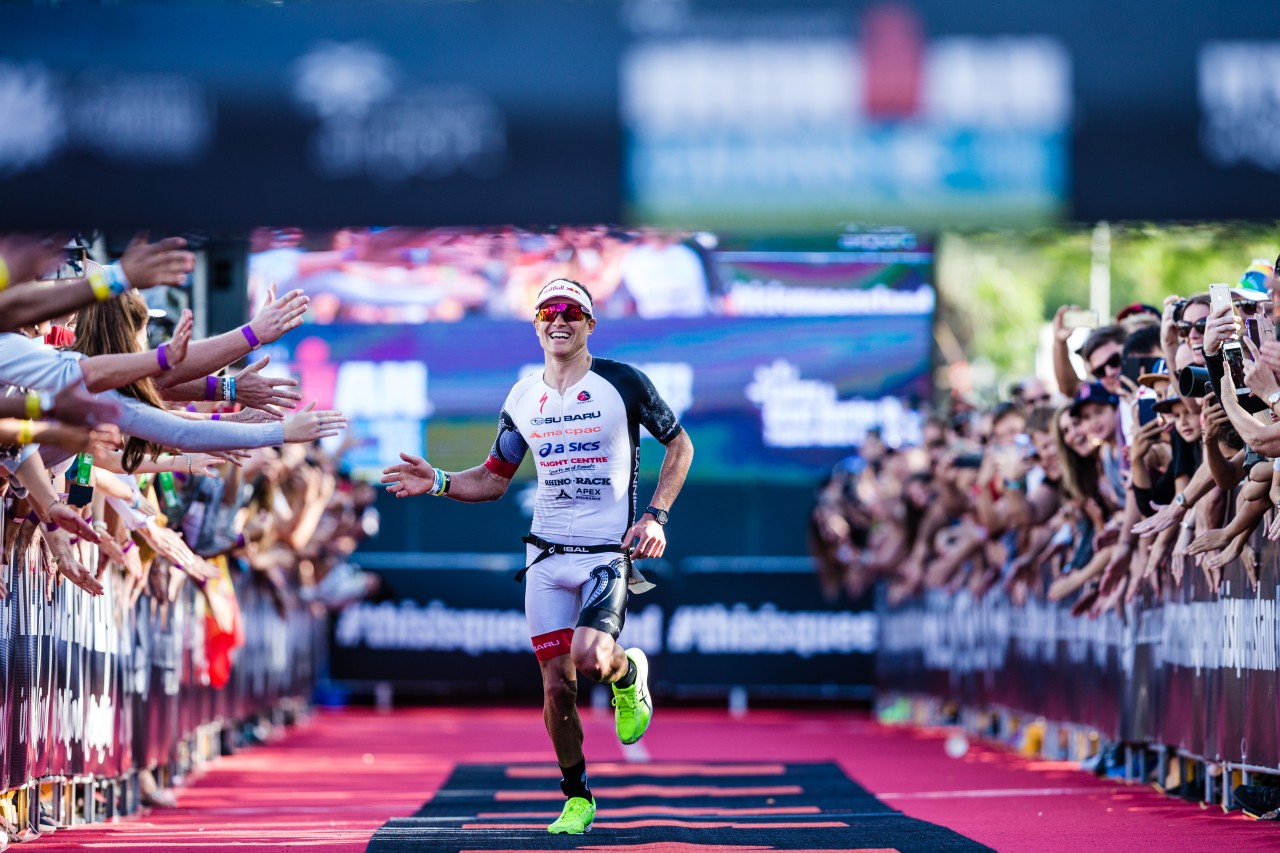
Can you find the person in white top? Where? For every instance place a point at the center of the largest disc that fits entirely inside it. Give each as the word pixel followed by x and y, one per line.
pixel 581 416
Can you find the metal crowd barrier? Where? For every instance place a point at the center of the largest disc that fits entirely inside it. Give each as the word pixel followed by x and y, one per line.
pixel 95 689
pixel 1187 675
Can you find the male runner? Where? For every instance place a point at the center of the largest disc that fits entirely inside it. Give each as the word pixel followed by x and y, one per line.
pixel 582 415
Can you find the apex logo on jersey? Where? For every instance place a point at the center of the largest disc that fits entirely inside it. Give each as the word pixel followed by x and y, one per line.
pixel 584 396
pixel 542 403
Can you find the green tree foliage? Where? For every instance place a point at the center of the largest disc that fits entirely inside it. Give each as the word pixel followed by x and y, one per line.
pixel 998 289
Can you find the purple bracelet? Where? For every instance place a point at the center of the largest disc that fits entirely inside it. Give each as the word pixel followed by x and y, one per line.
pixel 217 417
pixel 128 546
pixel 162 357
pixel 249 336
pixel 33 518
pixel 50 526
pixel 240 541
pixel 211 387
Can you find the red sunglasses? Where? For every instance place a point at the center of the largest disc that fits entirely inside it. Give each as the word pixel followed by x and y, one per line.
pixel 571 310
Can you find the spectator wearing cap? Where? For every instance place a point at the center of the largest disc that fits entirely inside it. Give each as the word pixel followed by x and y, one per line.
pixel 1137 315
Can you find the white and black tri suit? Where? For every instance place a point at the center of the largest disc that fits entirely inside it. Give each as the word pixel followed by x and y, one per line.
pixel 586 449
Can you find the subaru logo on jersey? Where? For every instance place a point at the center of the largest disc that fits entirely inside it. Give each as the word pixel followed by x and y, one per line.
pixel 584 397
pixel 572 447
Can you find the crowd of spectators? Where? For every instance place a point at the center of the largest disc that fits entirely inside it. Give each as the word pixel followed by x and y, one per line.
pixel 1150 473
pixel 1161 460
pixel 184 464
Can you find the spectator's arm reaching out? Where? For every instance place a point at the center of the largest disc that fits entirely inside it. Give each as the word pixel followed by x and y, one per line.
pixel 143 264
pixel 1263 439
pixel 1063 371
pixel 210 355
pixel 105 372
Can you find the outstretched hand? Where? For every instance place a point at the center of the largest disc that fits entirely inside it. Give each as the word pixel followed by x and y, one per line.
pixel 410 477
pixel 166 262
pixel 311 424
pixel 277 316
pixel 176 347
pixel 266 393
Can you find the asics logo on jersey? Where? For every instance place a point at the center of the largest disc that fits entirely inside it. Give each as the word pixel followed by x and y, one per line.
pixel 545 450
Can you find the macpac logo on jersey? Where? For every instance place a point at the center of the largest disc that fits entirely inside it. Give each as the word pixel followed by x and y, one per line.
pixel 542 403
pixel 582 417
pixel 547 449
pixel 584 397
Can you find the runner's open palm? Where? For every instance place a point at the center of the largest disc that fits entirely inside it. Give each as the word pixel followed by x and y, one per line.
pixel 411 477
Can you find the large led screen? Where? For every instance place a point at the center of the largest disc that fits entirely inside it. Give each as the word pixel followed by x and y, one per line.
pixel 777 356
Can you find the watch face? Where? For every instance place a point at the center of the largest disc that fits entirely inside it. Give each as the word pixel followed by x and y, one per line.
pixel 660 515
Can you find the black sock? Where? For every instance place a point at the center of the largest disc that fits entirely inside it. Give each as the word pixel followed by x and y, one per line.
pixel 629 678
pixel 575 783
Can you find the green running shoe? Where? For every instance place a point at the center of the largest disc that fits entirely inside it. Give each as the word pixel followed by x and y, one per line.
pixel 632 706
pixel 575 819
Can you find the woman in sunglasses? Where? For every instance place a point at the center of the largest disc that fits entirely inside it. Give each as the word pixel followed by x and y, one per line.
pixel 1191 324
pixel 582 415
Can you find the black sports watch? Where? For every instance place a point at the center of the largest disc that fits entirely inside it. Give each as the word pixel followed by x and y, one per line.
pixel 659 515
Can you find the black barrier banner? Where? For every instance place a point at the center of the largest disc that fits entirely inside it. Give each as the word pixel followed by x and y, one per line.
pixel 1193 669
pixel 93 687
pixel 715 624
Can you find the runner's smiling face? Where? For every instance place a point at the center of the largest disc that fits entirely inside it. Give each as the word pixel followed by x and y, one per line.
pixel 559 335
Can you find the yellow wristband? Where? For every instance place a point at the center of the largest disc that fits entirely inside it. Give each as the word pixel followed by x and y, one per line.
pixel 26 432
pixel 101 289
pixel 33 405
pixel 4 273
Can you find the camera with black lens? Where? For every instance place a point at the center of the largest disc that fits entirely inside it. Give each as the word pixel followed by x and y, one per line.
pixel 1193 381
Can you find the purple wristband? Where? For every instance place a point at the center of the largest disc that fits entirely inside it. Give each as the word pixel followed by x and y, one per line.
pixel 51 527
pixel 211 387
pixel 217 417
pixel 240 541
pixel 33 518
pixel 249 336
pixel 162 356
pixel 128 546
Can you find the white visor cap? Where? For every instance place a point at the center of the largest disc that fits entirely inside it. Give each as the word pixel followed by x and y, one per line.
pixel 564 289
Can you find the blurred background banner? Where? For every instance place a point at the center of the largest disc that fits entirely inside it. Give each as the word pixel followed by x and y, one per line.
pixel 779 354
pixel 761 116
pixel 229 115
pixel 798 115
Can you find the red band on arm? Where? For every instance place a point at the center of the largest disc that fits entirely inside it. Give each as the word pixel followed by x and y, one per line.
pixel 548 646
pixel 503 469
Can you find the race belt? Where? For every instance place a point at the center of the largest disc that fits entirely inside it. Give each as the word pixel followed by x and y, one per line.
pixel 636 582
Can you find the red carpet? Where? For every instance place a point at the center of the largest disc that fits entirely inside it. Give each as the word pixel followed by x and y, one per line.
pixel 329 785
